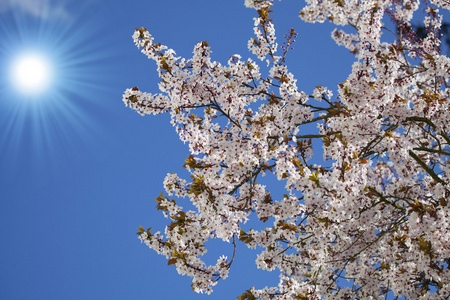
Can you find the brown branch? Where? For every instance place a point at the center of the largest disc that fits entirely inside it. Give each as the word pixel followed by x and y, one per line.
pixel 426 168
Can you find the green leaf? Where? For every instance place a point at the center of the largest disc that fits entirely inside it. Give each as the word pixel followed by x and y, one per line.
pixel 141 230
pixel 247 296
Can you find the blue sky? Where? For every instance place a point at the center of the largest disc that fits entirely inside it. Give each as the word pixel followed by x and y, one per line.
pixel 79 171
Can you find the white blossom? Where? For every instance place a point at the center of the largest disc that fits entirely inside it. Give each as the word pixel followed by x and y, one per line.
pixel 374 214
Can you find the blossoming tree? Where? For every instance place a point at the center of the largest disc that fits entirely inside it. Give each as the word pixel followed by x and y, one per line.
pixel 373 219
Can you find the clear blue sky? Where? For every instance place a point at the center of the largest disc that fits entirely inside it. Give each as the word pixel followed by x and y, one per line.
pixel 79 171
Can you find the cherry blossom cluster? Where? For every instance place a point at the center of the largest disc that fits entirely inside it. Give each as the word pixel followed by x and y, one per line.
pixel 373 219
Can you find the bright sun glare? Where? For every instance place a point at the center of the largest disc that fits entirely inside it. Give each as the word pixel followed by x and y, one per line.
pixel 31 74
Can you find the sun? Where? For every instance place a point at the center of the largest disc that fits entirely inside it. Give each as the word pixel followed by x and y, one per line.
pixel 54 70
pixel 31 73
